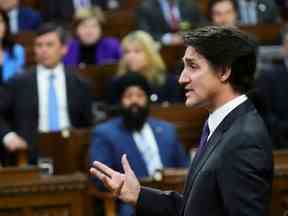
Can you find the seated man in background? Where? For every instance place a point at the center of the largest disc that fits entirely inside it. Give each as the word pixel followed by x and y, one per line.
pixel 253 12
pixel 164 19
pixel 49 98
pixel 272 83
pixel 64 11
pixel 150 144
pixel 223 12
pixel 20 18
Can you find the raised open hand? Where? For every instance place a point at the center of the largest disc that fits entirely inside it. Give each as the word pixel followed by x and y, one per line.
pixel 125 185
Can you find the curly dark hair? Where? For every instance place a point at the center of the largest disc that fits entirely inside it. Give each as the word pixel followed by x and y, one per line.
pixel 226 47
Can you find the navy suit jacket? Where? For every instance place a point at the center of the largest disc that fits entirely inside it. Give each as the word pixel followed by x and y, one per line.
pixel 111 140
pixel 232 178
pixel 28 19
pixel 272 84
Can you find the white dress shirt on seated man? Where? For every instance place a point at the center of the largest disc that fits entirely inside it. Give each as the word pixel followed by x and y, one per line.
pixel 61 93
pixel 147 146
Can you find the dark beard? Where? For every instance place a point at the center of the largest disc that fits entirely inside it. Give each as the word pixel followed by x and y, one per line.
pixel 135 116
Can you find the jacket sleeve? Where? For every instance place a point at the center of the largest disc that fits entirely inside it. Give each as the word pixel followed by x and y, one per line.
pixel 155 202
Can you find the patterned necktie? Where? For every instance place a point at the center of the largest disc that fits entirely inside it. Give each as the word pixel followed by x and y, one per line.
pixel 53 118
pixel 203 141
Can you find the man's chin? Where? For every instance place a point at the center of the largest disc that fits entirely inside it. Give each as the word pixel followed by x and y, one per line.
pixel 190 103
pixel 193 103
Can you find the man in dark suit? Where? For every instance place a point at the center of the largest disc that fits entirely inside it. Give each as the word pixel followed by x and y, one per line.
pixel 231 174
pixel 63 11
pixel 48 98
pixel 252 12
pixel 21 18
pixel 164 19
pixel 272 83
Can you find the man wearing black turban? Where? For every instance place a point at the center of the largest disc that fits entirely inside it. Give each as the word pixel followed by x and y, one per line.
pixel 150 144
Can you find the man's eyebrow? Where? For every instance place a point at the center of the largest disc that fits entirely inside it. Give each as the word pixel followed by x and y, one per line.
pixel 188 60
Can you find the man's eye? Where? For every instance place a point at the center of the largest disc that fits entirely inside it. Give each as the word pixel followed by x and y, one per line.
pixel 194 66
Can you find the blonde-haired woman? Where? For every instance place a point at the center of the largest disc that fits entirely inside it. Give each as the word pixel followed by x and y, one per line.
pixel 141 55
pixel 89 45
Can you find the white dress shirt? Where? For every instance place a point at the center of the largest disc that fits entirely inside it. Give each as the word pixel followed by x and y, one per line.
pixel 248 12
pixel 147 145
pixel 60 87
pixel 13 20
pixel 216 117
pixel 80 4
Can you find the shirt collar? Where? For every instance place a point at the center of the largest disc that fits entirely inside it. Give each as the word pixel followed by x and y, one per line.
pixel 13 12
pixel 44 71
pixel 216 117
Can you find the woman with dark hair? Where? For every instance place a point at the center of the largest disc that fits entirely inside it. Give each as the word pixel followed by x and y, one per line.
pixel 90 47
pixel 12 55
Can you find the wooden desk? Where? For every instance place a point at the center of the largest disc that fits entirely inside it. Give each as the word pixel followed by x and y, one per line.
pixel 49 196
pixel 68 150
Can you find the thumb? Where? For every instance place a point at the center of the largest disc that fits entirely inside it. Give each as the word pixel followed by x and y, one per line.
pixel 126 166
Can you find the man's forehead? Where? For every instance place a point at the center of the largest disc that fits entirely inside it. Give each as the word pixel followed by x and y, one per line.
pixel 191 53
pixel 134 89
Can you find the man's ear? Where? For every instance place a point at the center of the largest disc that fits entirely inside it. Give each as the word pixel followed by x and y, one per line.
pixel 224 74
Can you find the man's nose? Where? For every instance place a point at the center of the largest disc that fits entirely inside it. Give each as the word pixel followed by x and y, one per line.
pixel 183 77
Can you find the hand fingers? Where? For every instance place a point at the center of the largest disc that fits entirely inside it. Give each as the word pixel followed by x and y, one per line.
pixel 107 181
pixel 97 173
pixel 126 166
pixel 103 168
pixel 119 189
pixel 101 176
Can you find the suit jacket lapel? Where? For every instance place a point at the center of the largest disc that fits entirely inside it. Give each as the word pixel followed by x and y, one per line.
pixel 34 91
pixel 158 135
pixel 69 91
pixel 135 153
pixel 198 164
pixel 213 141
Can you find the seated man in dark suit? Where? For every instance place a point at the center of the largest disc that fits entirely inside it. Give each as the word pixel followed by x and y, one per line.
pixel 252 12
pixel 164 19
pixel 48 98
pixel 151 144
pixel 272 83
pixel 21 18
pixel 64 11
